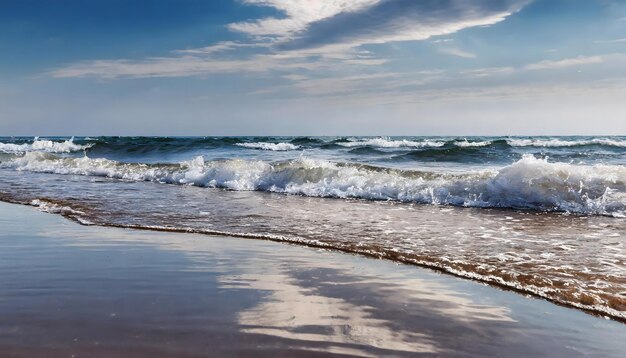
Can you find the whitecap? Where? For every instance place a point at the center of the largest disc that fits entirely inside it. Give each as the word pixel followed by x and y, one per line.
pixel 529 183
pixel 270 146
pixel 49 146
pixel 565 143
pixel 389 143
pixel 466 143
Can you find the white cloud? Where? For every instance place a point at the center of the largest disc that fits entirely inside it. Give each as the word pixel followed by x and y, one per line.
pixel 199 64
pixel 175 67
pixel 219 47
pixel 399 20
pixel 490 71
pixel 568 62
pixel 546 65
pixel 311 34
pixel 374 83
pixel 442 41
pixel 299 14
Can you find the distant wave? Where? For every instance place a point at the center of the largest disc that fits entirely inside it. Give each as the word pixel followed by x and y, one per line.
pixel 389 143
pixel 529 183
pixel 307 140
pixel 565 143
pixel 270 146
pixel 466 143
pixel 468 154
pixel 39 145
pixel 489 148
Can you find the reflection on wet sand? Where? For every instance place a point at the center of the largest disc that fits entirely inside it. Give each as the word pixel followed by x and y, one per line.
pixel 296 309
pixel 298 313
pixel 111 292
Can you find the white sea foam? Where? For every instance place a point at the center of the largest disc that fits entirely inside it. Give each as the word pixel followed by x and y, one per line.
pixel 39 145
pixel 389 143
pixel 530 183
pixel 466 143
pixel 565 143
pixel 270 146
pixel 53 208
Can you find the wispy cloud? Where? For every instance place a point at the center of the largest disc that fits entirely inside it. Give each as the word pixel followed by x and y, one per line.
pixel 390 87
pixel 184 66
pixel 568 62
pixel 490 71
pixel 400 20
pixel 438 41
pixel 454 51
pixel 541 65
pixel 311 35
pixel 220 47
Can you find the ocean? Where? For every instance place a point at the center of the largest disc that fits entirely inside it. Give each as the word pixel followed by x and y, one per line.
pixel 541 215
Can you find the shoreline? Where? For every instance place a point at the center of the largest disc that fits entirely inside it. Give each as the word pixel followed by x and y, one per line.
pixel 141 293
pixel 493 281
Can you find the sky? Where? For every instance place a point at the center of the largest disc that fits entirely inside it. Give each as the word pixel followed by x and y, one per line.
pixel 312 67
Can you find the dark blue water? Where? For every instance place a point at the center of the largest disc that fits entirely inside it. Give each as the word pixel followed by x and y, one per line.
pixel 404 152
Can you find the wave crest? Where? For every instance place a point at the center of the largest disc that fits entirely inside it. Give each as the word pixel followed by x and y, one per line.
pixel 269 146
pixel 48 146
pixel 529 183
pixel 391 143
pixel 565 143
pixel 466 143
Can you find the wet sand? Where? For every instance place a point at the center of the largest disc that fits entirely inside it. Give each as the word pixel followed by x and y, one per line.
pixel 71 290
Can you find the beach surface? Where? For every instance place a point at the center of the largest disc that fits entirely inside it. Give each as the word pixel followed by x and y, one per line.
pixel 85 291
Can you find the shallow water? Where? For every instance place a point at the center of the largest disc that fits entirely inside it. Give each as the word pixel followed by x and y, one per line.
pixel 101 292
pixel 493 209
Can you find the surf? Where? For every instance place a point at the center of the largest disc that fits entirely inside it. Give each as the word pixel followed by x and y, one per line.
pixel 529 183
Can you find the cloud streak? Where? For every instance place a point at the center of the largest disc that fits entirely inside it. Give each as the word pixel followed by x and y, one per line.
pixel 311 35
pixel 401 20
pixel 453 51
pixel 568 62
pixel 203 61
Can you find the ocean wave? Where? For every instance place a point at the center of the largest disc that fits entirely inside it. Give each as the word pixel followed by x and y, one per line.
pixel 529 183
pixel 452 153
pixel 39 145
pixel 307 141
pixel 269 146
pixel 389 143
pixel 466 143
pixel 366 151
pixel 565 143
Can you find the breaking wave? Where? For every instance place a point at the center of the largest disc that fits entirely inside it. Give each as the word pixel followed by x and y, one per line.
pixel 389 143
pixel 529 183
pixel 270 146
pixel 566 143
pixel 39 145
pixel 466 143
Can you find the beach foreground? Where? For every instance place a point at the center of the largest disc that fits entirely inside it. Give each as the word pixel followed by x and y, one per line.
pixel 72 290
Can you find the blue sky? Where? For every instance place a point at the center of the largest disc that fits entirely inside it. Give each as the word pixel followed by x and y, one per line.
pixel 307 67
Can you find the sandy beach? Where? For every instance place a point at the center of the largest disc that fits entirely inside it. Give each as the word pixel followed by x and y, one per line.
pixel 84 291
